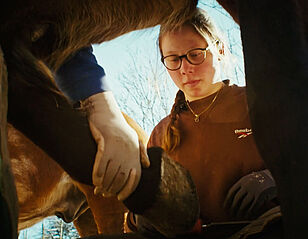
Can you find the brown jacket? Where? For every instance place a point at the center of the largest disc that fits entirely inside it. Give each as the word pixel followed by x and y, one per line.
pixel 217 150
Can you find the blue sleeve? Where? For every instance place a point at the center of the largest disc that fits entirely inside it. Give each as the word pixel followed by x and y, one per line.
pixel 81 76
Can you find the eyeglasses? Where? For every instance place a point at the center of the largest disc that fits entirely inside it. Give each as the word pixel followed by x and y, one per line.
pixel 194 56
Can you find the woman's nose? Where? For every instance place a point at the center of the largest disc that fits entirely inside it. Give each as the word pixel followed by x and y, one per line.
pixel 186 67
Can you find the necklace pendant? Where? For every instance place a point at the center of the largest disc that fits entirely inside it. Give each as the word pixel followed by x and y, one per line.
pixel 197 119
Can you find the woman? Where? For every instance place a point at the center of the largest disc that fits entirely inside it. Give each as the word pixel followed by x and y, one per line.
pixel 208 130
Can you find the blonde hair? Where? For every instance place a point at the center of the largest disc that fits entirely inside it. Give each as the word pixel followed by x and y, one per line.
pixel 171 137
pixel 203 25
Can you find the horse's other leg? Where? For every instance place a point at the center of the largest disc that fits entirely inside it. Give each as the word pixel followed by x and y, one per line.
pixel 108 213
pixel 275 48
pixel 8 194
pixel 85 224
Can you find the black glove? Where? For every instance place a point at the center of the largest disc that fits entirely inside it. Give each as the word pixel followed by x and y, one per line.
pixel 249 197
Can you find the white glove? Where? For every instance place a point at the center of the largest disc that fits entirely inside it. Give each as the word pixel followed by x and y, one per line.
pixel 117 168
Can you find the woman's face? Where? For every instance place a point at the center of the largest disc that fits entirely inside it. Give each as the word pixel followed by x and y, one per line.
pixel 196 81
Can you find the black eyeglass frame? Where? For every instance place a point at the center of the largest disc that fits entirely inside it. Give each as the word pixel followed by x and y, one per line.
pixel 184 56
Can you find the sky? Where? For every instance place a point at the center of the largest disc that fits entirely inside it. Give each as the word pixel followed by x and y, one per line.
pixel 140 48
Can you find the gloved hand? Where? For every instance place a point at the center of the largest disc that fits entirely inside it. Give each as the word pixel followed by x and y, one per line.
pixel 248 197
pixel 117 168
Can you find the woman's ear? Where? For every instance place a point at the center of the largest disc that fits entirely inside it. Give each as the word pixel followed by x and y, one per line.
pixel 221 49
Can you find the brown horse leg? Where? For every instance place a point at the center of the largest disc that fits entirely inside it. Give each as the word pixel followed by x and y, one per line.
pixel 108 213
pixel 85 224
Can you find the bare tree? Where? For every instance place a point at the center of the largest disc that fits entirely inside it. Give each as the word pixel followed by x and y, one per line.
pixel 146 93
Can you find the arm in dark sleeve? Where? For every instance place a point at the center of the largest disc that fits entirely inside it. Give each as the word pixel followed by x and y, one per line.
pixel 81 76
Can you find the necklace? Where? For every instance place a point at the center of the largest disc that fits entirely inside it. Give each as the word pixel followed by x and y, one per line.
pixel 197 116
